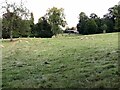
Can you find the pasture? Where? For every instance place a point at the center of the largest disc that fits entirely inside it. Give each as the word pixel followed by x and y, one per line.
pixel 61 62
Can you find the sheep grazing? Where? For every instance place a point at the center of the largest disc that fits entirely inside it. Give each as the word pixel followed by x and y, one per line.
pixel 1 46
pixel 26 41
pixel 20 40
pixel 86 38
pixel 82 38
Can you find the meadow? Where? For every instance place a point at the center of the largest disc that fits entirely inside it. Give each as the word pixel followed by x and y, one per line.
pixel 68 61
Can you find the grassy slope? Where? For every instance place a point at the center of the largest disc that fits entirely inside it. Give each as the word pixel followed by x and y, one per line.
pixel 71 61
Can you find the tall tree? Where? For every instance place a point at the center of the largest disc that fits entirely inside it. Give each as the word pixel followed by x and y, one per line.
pixel 0 28
pixel 42 28
pixel 116 12
pixel 32 18
pixel 81 26
pixel 112 19
pixel 97 20
pixel 12 15
pixel 109 21
pixel 25 29
pixel 56 19
pixel 118 16
pixel 93 15
pixel 91 26
pixel 32 24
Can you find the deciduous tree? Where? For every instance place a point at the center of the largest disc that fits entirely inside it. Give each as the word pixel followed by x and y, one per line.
pixel 81 26
pixel 56 19
pixel 12 17
pixel 42 28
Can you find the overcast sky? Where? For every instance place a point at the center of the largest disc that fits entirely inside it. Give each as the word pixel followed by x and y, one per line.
pixel 72 8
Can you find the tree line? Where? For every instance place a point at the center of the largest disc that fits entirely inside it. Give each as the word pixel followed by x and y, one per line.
pixel 18 21
pixel 94 24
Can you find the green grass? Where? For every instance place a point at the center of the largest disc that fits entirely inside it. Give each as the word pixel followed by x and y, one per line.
pixel 61 62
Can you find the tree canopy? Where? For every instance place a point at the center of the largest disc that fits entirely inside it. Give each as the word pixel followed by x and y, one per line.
pixel 56 18
pixel 12 18
pixel 94 24
pixel 17 21
pixel 42 29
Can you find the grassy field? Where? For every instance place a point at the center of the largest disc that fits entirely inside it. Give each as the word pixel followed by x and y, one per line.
pixel 61 62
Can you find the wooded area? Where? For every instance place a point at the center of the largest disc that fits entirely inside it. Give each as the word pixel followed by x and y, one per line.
pixel 17 21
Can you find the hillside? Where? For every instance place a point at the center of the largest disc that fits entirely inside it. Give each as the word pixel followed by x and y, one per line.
pixel 61 62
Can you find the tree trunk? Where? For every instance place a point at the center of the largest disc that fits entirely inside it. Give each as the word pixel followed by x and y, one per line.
pixel 11 36
pixel 104 31
pixel 11 30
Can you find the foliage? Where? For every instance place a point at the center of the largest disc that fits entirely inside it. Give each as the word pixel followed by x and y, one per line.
pixel 42 29
pixel 56 18
pixel 91 27
pixel 21 28
pixel 0 27
pixel 94 25
pixel 87 25
pixel 32 24
pixel 112 19
pixel 18 22
pixel 12 18
pixel 97 20
pixel 116 12
pixel 10 23
pixel 25 29
pixel 104 28
pixel 109 21
pixel 81 26
pixel 32 19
